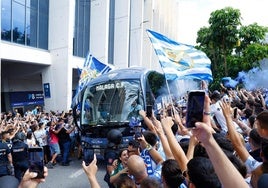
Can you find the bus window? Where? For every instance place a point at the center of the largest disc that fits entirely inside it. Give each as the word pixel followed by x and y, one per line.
pixel 110 101
pixel 87 108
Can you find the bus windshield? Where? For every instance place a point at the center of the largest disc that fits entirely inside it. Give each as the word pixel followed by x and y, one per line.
pixel 110 102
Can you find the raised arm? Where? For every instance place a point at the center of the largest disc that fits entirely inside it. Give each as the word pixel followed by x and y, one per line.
pixel 163 138
pixel 175 147
pixel 181 128
pixel 243 96
pixel 152 151
pixel 262 101
pixel 246 129
pixel 147 121
pixel 190 152
pixel 227 173
pixel 233 134
pixel 91 171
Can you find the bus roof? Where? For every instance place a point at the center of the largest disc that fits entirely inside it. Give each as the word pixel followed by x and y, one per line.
pixel 125 73
pixel 118 74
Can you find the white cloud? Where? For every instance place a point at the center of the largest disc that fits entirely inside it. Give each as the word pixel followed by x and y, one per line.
pixel 194 14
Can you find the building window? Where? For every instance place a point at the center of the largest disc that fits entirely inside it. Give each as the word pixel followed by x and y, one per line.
pixel 82 28
pixel 18 19
pixel 6 23
pixel 43 24
pixel 31 23
pixel 25 22
pixel 111 32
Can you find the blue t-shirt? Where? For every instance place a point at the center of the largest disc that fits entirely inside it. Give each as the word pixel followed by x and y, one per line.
pixel 153 169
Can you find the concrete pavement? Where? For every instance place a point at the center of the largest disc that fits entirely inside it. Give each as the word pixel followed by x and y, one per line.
pixel 72 176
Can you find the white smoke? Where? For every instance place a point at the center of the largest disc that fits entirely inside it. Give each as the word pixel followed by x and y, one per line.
pixel 180 88
pixel 176 90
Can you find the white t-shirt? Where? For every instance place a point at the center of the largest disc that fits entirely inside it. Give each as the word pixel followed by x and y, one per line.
pixel 216 111
pixel 31 142
pixel 41 136
pixel 252 164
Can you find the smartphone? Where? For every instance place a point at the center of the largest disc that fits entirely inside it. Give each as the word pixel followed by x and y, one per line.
pixel 169 112
pixel 138 133
pixel 149 111
pixel 235 113
pixel 88 155
pixel 195 106
pixel 158 116
pixel 36 161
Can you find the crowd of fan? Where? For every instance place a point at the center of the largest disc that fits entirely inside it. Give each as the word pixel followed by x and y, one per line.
pixel 53 131
pixel 224 150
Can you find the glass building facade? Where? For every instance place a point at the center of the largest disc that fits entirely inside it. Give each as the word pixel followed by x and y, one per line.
pixel 82 28
pixel 111 32
pixel 25 22
pixel 81 39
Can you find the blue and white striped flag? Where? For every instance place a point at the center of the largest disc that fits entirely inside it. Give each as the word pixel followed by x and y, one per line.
pixel 92 68
pixel 180 61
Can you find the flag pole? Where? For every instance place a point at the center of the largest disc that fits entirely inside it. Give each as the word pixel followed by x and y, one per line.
pixel 169 94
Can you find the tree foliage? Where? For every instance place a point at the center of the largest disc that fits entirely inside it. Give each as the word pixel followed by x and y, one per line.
pixel 231 46
pixel 252 33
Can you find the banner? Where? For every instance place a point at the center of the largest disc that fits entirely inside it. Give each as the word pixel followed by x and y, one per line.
pixel 180 61
pixel 92 68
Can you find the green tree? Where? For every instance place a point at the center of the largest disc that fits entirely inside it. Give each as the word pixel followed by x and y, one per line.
pixel 252 33
pixel 254 53
pixel 231 46
pixel 224 25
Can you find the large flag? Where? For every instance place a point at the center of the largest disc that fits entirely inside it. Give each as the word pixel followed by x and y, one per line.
pixel 92 68
pixel 180 61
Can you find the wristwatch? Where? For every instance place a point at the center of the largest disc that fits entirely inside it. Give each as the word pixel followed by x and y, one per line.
pixel 148 147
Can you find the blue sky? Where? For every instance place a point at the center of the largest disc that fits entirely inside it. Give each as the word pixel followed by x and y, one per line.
pixel 194 14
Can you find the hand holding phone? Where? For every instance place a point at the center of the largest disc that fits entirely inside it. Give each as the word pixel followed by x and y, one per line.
pixel 149 111
pixel 158 116
pixel 235 113
pixel 170 112
pixel 195 107
pixel 138 133
pixel 88 155
pixel 36 161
